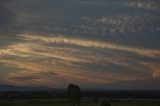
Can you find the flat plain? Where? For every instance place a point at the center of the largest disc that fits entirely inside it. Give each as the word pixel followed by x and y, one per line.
pixel 64 102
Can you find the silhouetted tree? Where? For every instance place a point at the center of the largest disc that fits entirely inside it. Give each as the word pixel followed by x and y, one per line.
pixel 74 94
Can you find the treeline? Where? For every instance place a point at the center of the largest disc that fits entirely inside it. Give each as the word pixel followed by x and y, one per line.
pixel 73 91
pixel 33 94
pixel 89 94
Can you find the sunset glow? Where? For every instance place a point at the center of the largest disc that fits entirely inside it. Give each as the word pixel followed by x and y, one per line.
pixel 47 43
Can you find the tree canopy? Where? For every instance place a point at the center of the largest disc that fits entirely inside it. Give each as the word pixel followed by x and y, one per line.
pixel 74 93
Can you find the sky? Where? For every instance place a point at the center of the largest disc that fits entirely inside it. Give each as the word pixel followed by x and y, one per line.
pixel 92 43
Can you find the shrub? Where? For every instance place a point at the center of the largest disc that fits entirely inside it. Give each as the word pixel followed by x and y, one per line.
pixel 105 103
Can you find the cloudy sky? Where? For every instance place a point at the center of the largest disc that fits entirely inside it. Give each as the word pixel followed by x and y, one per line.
pixel 92 43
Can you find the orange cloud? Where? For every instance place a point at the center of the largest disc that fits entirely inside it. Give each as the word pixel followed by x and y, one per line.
pixel 91 43
pixel 153 67
pixel 32 57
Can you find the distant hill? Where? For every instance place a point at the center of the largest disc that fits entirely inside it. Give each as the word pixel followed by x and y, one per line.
pixel 150 84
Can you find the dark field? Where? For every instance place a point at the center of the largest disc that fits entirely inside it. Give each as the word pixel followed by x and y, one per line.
pixel 88 98
pixel 64 102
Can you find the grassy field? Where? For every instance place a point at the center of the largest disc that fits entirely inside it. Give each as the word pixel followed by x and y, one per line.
pixel 50 102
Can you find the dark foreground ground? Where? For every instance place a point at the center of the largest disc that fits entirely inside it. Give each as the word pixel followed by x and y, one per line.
pixel 88 98
pixel 63 102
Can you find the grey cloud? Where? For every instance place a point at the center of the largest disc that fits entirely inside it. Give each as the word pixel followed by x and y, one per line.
pixel 6 16
pixel 146 5
pixel 24 78
pixel 34 76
